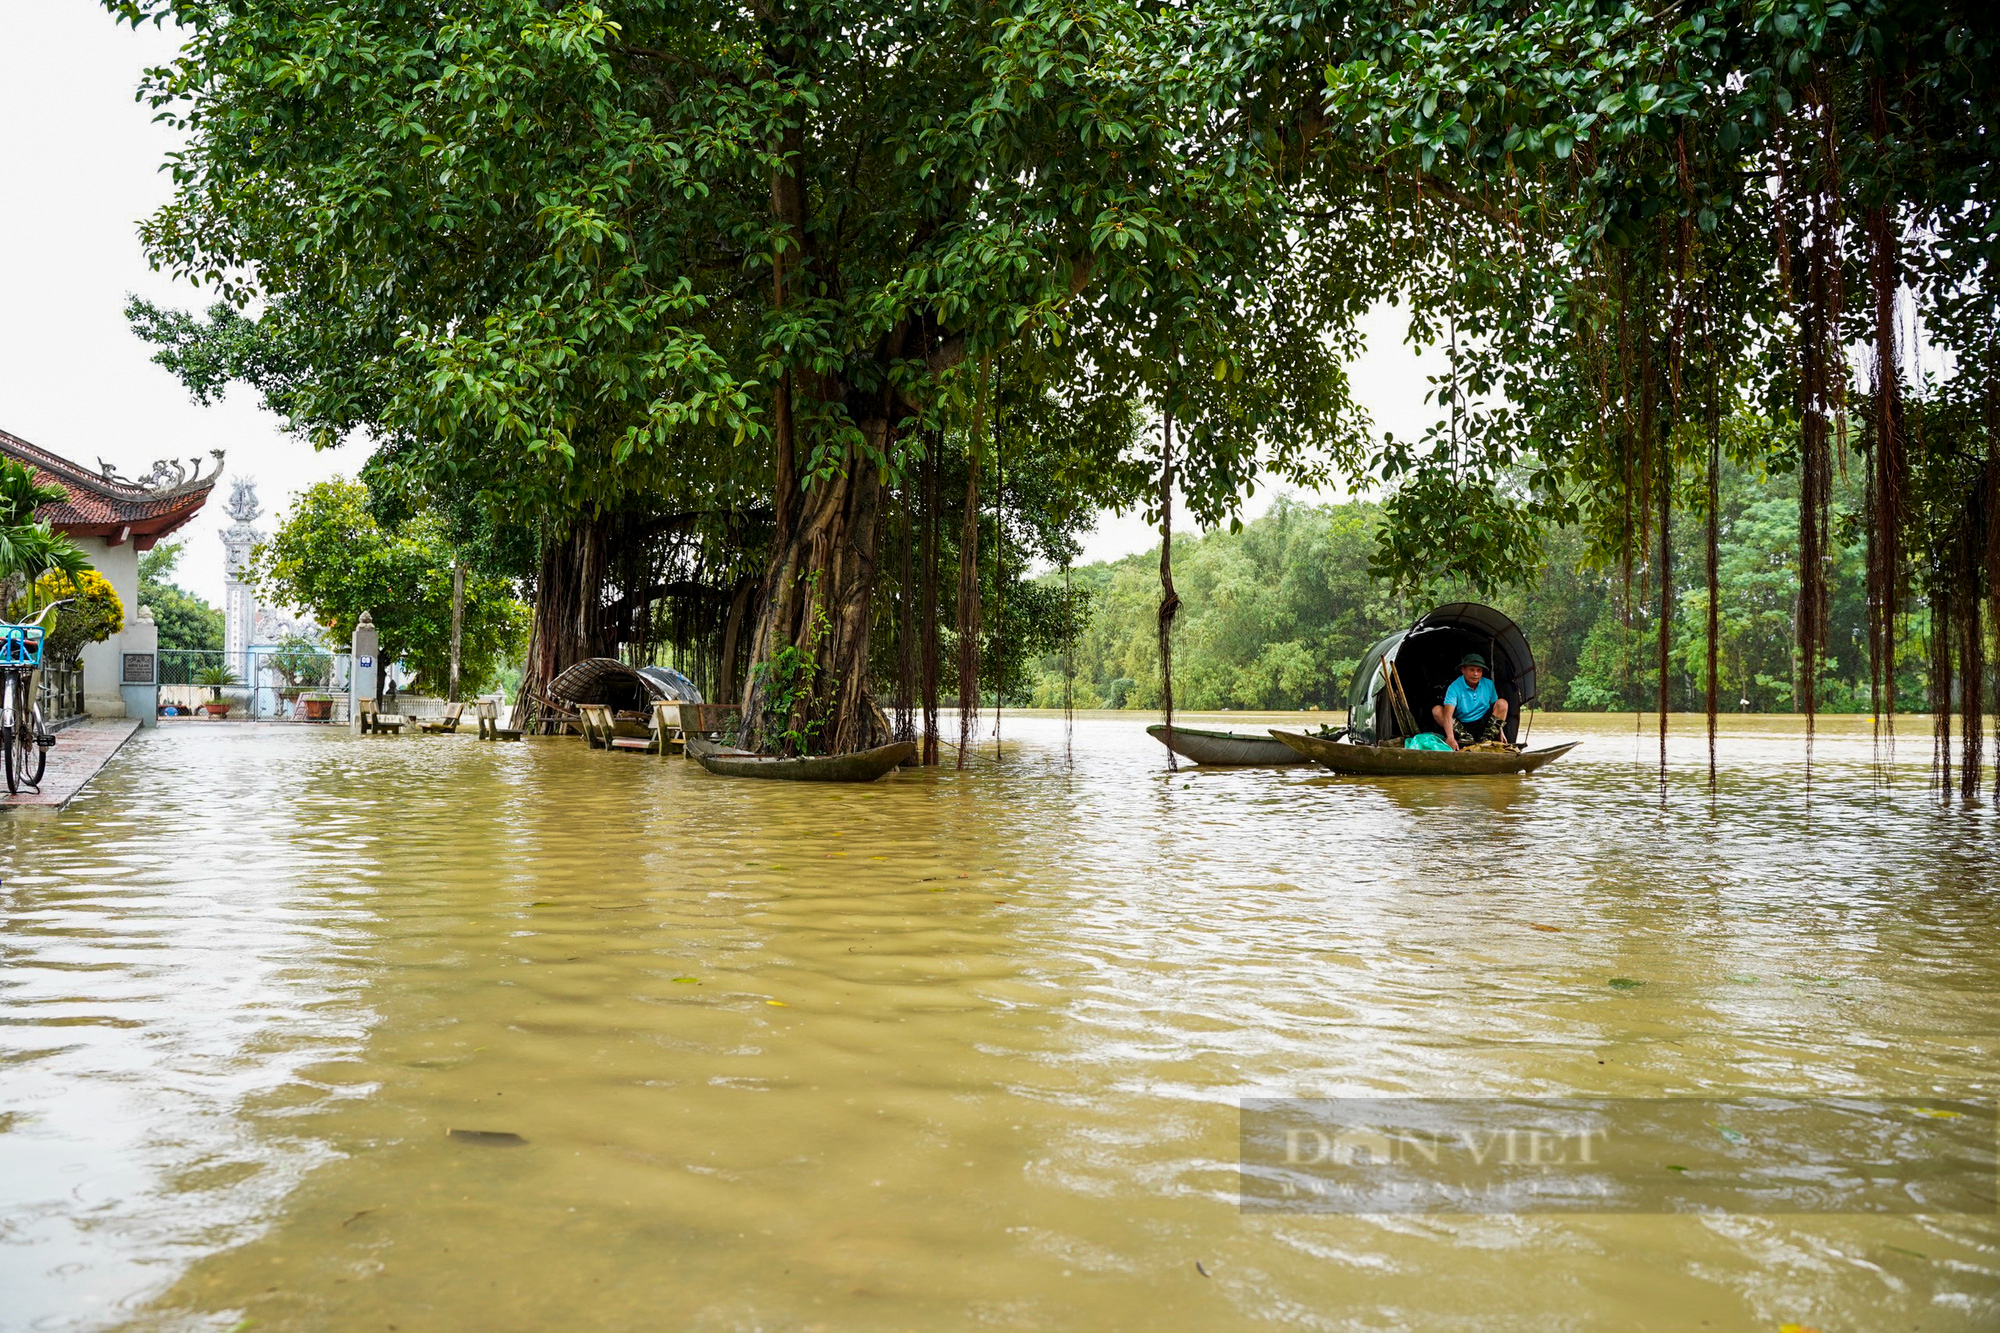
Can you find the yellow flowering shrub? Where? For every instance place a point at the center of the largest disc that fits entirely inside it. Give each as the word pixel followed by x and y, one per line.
pixel 94 614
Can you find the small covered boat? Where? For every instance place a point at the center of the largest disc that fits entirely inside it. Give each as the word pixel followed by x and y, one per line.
pixel 628 691
pixel 1403 677
pixel 1394 761
pixel 1224 747
pixel 621 688
pixel 861 766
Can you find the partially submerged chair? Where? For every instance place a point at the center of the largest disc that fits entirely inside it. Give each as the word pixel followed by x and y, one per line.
pixel 445 725
pixel 587 724
pixel 667 733
pixel 605 732
pixel 375 721
pixel 488 712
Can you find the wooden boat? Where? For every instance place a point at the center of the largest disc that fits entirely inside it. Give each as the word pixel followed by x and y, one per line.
pixel 1362 760
pixel 1225 747
pixel 863 766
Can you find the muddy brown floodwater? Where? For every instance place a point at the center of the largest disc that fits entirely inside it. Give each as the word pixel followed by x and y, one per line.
pixel 956 1049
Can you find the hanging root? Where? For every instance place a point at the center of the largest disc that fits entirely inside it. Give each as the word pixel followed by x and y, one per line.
pixel 1069 669
pixel 968 608
pixel 1170 601
pixel 1888 478
pixel 927 610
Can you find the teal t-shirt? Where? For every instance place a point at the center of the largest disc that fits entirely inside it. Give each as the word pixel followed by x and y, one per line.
pixel 1470 704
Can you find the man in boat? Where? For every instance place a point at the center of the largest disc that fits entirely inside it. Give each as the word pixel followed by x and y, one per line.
pixel 1472 708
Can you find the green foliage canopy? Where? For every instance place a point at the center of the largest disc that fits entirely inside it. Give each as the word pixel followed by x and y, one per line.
pixel 331 558
pixel 185 621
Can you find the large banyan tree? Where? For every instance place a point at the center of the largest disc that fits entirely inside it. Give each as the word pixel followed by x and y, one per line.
pixel 766 273
pixel 739 303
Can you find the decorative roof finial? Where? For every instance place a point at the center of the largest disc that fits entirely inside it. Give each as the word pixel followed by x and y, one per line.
pixel 243 505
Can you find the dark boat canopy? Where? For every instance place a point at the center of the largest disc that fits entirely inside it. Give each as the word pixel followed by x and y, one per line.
pixel 1425 657
pixel 623 689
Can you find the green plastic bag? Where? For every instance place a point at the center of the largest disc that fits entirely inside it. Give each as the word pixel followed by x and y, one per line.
pixel 1426 740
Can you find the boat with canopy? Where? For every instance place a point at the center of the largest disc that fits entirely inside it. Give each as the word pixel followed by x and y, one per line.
pixel 1401 678
pixel 628 691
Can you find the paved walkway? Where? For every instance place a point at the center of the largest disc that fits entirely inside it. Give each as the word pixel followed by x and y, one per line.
pixel 78 753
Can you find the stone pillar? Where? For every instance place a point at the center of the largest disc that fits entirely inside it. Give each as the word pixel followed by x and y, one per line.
pixel 139 668
pixel 239 595
pixel 367 647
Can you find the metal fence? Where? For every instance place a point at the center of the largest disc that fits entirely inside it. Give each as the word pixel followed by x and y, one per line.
pixel 262 682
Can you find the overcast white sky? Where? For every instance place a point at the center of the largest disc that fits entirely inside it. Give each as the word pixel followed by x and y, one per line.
pixel 80 165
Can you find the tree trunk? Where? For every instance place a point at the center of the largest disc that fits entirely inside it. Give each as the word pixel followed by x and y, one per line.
pixel 906 615
pixel 819 600
pixel 568 623
pixel 732 633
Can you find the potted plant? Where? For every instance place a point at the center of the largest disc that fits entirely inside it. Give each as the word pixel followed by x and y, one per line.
pixel 215 678
pixel 318 705
pixel 302 662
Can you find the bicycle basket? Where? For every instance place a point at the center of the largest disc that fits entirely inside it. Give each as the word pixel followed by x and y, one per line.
pixel 20 645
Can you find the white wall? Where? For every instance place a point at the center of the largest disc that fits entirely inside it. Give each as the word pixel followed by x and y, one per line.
pixel 102 661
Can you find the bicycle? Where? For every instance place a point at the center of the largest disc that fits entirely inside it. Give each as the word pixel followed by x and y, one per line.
pixel 24 738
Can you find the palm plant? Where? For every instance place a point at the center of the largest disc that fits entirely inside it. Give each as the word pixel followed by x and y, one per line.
pixel 29 548
pixel 215 677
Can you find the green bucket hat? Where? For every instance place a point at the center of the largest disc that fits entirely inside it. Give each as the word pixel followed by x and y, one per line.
pixel 1472 659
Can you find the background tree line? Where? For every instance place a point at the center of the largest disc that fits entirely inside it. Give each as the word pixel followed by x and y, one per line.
pixel 1278 614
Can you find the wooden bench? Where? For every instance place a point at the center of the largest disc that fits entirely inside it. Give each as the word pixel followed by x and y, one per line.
pixel 595 720
pixel 605 732
pixel 445 725
pixel 668 735
pixel 709 721
pixel 376 722
pixel 488 712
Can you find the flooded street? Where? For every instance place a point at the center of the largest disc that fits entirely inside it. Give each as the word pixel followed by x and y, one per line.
pixel 950 1050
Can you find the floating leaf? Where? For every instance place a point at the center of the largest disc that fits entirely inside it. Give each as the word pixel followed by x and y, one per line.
pixel 777 1004
pixel 1672 1167
pixel 1938 1113
pixel 1732 1135
pixel 688 981
pixel 1625 983
pixel 1536 925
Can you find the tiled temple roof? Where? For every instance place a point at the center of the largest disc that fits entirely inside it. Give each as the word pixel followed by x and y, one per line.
pixel 103 504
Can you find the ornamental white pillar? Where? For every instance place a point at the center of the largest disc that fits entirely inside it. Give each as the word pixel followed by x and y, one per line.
pixel 239 596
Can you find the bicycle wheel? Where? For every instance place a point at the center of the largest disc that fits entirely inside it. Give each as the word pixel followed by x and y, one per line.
pixel 34 759
pixel 7 729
